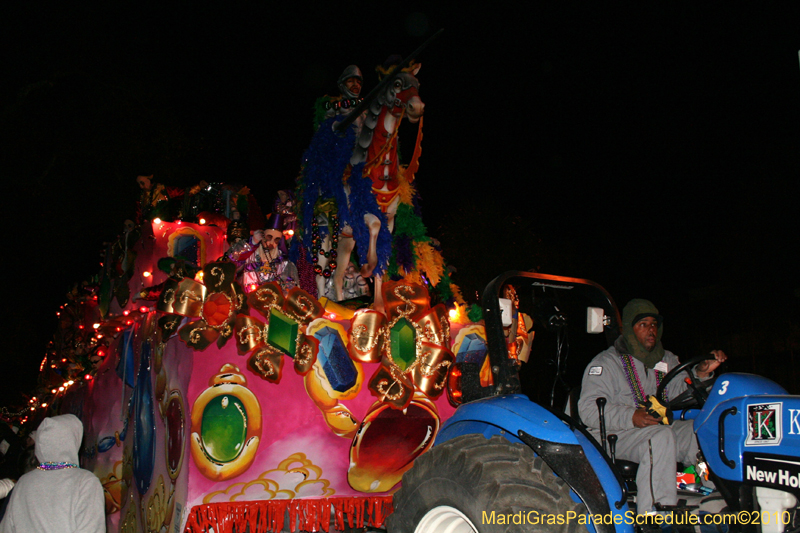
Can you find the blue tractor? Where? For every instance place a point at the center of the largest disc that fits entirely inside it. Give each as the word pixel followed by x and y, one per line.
pixel 506 463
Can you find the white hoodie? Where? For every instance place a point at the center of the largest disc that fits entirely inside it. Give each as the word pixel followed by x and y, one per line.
pixel 57 501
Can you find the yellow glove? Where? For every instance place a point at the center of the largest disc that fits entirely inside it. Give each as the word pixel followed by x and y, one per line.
pixel 654 408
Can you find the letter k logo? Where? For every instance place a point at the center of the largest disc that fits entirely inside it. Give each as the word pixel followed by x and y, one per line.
pixel 763 419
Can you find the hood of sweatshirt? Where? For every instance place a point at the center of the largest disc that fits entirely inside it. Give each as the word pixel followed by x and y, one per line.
pixel 58 439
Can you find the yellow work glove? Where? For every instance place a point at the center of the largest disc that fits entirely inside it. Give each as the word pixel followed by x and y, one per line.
pixel 654 408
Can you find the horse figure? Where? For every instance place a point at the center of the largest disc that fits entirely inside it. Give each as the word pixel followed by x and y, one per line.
pixel 377 141
pixel 367 191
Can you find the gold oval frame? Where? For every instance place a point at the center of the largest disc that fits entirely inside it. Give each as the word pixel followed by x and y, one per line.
pixel 229 381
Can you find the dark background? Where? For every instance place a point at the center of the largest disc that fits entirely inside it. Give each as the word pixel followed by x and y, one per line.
pixel 653 148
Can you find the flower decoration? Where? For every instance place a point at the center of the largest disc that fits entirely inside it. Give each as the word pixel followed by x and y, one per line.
pixel 215 303
pixel 411 343
pixel 284 333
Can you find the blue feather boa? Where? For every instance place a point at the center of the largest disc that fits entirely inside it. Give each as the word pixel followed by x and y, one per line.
pixel 323 165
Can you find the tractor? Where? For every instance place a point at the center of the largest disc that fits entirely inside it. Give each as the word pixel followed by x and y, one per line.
pixel 505 463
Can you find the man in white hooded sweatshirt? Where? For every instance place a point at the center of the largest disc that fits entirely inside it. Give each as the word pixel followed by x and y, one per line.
pixel 57 497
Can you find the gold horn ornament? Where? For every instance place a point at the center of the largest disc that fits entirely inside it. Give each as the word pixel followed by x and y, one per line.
pixel 430 375
pixel 366 336
pixel 250 333
pixel 392 388
pixel 402 298
pixel 436 326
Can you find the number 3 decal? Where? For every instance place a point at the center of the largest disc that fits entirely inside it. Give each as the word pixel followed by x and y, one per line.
pixel 724 388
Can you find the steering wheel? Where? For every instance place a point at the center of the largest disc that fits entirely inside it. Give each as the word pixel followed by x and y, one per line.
pixel 697 392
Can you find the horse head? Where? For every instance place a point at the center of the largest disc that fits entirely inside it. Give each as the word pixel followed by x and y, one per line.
pixel 397 97
pixel 403 94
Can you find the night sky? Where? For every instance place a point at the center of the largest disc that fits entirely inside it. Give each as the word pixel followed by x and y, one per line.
pixel 653 148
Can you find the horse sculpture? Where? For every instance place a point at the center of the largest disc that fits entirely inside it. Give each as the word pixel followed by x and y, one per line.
pixel 377 142
pixel 352 182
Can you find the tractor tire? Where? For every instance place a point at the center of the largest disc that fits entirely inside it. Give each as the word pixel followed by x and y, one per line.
pixel 456 486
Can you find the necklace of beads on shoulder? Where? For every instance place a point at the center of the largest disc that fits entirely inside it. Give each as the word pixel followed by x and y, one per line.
pixel 49 465
pixel 633 379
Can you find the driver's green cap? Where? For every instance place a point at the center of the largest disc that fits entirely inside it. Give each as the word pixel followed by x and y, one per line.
pixel 638 309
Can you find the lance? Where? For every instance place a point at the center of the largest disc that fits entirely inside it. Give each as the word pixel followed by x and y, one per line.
pixel 373 94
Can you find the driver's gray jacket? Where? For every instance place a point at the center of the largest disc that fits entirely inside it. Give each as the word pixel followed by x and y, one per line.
pixel 605 377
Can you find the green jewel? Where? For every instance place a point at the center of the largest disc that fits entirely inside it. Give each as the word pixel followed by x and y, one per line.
pixel 224 428
pixel 282 332
pixel 403 345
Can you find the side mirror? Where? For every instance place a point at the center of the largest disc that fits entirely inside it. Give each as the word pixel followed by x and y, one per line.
pixel 596 320
pixel 506 311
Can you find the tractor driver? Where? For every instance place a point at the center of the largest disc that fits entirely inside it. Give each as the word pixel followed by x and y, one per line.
pixel 625 375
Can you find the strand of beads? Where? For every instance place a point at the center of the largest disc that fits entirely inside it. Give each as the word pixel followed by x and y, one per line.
pixel 633 379
pixel 316 246
pixel 345 103
pixel 55 466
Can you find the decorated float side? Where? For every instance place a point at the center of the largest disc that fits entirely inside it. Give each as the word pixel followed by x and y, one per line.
pixel 279 373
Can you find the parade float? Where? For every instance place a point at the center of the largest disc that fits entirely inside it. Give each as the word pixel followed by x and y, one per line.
pixel 236 370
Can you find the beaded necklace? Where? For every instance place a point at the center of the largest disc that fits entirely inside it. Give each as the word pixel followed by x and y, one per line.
pixel 633 379
pixel 49 465
pixel 316 246
pixel 345 103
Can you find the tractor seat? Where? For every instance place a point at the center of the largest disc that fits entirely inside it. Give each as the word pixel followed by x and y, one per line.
pixel 627 469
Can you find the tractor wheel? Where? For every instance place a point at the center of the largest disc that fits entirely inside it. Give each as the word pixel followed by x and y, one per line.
pixel 473 485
